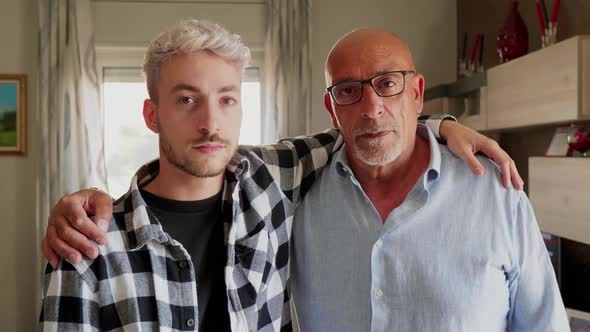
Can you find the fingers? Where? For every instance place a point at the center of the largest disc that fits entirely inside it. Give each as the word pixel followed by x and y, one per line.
pixel 472 162
pixel 505 166
pixel 80 221
pixel 103 209
pixel 49 253
pixel 75 239
pixel 69 227
pixel 469 142
pixel 517 181
pixel 493 150
pixel 62 248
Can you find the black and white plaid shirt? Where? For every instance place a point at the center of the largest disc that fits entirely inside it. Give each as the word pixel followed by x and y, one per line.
pixel 143 280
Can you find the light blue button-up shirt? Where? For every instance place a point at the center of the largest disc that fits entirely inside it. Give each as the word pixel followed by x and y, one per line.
pixel 461 253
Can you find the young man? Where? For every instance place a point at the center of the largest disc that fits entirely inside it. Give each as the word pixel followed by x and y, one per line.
pixel 201 240
pixel 396 234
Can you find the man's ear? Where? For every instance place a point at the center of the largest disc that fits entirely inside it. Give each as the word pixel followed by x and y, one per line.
pixel 418 92
pixel 328 105
pixel 150 115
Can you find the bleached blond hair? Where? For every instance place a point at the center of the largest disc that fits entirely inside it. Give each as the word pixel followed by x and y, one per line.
pixel 189 36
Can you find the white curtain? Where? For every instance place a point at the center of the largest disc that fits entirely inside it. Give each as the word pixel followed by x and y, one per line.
pixel 69 114
pixel 287 69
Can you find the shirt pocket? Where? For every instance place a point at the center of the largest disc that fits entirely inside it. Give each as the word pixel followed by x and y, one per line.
pixel 252 259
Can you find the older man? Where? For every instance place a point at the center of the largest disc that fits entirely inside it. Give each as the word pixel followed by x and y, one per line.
pixel 397 234
pixel 201 240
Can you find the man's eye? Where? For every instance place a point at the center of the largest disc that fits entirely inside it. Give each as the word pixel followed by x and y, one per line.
pixel 228 101
pixel 186 100
pixel 346 91
pixel 388 84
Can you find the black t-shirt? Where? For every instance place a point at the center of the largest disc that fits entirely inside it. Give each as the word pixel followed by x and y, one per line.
pixel 198 226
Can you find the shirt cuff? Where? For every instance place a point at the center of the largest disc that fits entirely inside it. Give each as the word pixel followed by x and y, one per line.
pixel 433 123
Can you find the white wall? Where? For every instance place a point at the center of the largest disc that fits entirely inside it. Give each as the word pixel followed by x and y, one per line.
pixel 18 272
pixel 135 24
pixel 429 27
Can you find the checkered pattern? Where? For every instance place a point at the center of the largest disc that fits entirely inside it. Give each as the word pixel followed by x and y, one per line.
pixel 144 280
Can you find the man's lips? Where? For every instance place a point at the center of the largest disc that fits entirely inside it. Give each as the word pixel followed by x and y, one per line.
pixel 208 147
pixel 375 134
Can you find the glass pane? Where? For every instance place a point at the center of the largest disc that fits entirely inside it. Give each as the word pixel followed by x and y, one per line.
pixel 128 142
pixel 250 132
pixel 389 84
pixel 347 93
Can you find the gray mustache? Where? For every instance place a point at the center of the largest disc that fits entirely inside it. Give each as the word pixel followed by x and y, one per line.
pixel 372 129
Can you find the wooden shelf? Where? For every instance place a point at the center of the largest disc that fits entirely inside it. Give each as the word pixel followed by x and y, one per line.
pixel 456 106
pixel 578 314
pixel 478 121
pixel 548 86
pixel 559 190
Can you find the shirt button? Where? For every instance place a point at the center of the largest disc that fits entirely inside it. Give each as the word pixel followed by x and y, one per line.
pixel 190 322
pixel 379 292
pixel 183 265
pixel 378 244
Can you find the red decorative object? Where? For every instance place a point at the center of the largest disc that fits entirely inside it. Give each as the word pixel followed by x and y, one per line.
pixel 580 141
pixel 513 37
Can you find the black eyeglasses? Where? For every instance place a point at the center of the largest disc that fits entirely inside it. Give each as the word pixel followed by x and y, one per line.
pixel 385 85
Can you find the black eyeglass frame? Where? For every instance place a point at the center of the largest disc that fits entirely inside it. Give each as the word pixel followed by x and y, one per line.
pixel 370 81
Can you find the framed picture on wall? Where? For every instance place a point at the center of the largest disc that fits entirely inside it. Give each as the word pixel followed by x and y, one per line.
pixel 13 114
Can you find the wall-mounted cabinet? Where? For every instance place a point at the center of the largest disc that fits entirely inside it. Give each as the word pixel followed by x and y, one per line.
pixel 476 117
pixel 559 190
pixel 464 99
pixel 548 86
pixel 469 110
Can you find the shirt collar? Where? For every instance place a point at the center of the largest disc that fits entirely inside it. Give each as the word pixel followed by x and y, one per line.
pixel 432 172
pixel 239 163
pixel 342 163
pixel 140 223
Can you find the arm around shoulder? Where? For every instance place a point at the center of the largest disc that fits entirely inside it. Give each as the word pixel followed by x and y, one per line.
pixel 295 163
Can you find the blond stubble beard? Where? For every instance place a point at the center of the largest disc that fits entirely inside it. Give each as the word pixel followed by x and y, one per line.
pixel 196 169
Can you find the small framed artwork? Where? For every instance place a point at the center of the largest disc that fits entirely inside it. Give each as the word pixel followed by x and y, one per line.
pixel 13 114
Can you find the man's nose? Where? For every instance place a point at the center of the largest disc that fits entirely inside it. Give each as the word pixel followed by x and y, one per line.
pixel 208 118
pixel 371 103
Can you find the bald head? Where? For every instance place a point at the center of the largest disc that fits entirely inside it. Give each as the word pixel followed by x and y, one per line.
pixel 377 120
pixel 362 47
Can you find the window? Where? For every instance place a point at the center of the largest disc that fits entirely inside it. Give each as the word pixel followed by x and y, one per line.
pixel 130 144
pixel 251 132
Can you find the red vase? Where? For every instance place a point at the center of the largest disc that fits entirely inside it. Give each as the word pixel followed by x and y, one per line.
pixel 513 37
